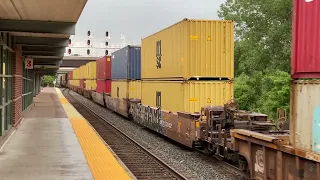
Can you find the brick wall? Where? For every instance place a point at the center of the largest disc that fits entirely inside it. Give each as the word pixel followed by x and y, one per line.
pixel 17 86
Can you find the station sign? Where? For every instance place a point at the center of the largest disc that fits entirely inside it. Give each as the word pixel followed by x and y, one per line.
pixel 28 63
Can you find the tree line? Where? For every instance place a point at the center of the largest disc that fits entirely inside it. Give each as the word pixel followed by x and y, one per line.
pixel 262 53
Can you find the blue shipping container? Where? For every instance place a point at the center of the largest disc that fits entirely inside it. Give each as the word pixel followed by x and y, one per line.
pixel 126 63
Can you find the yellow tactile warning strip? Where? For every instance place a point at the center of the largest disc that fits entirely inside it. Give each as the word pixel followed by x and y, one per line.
pixel 102 163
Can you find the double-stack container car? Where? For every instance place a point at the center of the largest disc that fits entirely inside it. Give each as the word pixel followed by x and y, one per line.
pixel 126 79
pixel 305 73
pixel 185 92
pixel 90 75
pixel 104 75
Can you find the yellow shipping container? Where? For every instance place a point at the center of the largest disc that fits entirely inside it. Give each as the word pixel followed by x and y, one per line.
pixel 185 96
pixel 91 85
pixel 90 72
pixel 74 82
pixel 119 89
pixel 134 89
pixel 83 71
pixel 190 49
pixel 76 73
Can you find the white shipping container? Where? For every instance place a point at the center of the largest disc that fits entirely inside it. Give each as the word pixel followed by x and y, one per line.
pixel 305 115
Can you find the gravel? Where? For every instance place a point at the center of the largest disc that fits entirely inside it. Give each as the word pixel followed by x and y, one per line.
pixel 191 164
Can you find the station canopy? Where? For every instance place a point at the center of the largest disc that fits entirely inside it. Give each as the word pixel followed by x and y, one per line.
pixel 41 28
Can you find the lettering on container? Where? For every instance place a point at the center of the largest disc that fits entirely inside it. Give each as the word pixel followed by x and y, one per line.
pixel 193 99
pixel 258 165
pixel 193 37
pixel 158 54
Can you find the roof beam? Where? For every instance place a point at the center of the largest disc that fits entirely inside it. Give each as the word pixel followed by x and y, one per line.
pixel 58 42
pixel 42 53
pixel 47 57
pixel 44 48
pixel 37 26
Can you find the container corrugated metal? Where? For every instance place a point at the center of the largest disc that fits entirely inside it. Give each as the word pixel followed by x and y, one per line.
pixel 104 68
pixel 190 49
pixel 134 89
pixel 103 86
pixel 119 89
pixel 76 73
pixel 74 82
pixel 126 63
pixel 305 61
pixel 90 85
pixel 305 114
pixel 185 96
pixel 82 72
pixel 90 70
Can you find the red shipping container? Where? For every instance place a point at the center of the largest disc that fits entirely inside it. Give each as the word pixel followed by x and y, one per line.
pixel 104 68
pixel 305 62
pixel 103 86
pixel 70 75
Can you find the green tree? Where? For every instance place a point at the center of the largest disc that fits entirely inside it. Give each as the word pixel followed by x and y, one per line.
pixel 263 33
pixel 262 52
pixel 48 80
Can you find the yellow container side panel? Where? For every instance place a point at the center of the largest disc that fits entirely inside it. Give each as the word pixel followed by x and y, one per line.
pixel 185 96
pixel 210 49
pixel 134 89
pixel 171 94
pixel 90 85
pixel 89 72
pixel 92 71
pixel 199 48
pixel 76 74
pixel 214 93
pixel 75 82
pixel 86 71
pixel 119 89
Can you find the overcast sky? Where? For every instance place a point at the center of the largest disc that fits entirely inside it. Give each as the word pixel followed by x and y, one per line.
pixel 138 18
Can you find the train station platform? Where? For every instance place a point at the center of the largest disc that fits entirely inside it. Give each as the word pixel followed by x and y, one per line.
pixel 54 141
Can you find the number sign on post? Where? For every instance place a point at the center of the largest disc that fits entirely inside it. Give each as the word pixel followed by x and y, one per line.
pixel 28 63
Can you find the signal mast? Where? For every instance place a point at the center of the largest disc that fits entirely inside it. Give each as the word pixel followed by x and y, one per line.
pixel 94 49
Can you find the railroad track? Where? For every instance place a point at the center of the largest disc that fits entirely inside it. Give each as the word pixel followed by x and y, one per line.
pixel 142 163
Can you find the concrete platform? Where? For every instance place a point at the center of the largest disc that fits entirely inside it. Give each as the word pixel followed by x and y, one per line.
pixel 44 146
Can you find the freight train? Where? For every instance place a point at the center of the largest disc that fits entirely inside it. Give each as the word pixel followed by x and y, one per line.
pixel 183 89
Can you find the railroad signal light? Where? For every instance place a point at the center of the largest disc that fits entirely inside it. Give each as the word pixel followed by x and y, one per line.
pixel 107 52
pixel 69 42
pixel 88 42
pixel 107 43
pixel 88 51
pixel 107 33
pixel 89 33
pixel 69 51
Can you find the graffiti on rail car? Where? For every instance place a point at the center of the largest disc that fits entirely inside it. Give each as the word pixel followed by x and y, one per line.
pixel 149 117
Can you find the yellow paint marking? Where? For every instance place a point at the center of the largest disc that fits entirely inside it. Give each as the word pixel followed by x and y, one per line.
pixel 102 163
pixel 197 124
pixel 64 101
pixel 193 99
